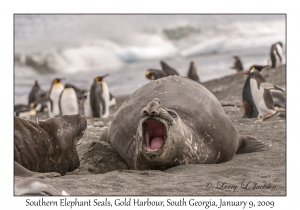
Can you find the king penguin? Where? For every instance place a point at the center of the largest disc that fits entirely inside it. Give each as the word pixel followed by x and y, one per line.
pixel 87 110
pixel 238 66
pixel 154 74
pixel 276 54
pixel 167 69
pixel 112 100
pixel 68 102
pixel 99 98
pixel 250 110
pixel 25 111
pixel 262 97
pixel 192 74
pixel 54 94
pixel 38 96
pixel 35 92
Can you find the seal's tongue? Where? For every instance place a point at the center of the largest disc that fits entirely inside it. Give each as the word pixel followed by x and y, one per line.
pixel 156 143
pixel 155 133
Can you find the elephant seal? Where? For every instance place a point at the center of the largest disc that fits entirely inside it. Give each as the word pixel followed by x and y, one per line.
pixel 48 145
pixel 172 121
pixel 36 186
pixel 19 170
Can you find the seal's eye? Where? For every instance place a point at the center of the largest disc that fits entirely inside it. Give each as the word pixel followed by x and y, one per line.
pixel 173 114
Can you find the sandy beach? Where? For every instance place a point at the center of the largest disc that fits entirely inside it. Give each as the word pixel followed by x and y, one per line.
pixel 103 173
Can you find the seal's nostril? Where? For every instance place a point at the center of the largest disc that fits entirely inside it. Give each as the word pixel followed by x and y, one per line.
pixel 154 113
pixel 145 112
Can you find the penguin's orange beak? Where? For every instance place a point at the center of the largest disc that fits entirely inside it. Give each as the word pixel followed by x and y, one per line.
pixel 246 72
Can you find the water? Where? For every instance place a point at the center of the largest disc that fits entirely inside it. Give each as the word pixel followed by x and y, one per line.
pixel 81 47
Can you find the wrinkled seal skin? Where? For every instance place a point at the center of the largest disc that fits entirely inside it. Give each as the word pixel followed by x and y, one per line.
pixel 197 128
pixel 48 145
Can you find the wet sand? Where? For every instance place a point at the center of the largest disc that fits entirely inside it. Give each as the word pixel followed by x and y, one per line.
pixel 103 172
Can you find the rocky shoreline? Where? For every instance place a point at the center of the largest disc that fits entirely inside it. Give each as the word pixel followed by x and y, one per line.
pixel 103 172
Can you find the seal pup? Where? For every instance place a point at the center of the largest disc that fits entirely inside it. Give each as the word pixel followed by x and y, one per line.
pixel 68 101
pixel 276 54
pixel 54 94
pixel 36 186
pixel 192 74
pixel 99 98
pixel 25 111
pixel 154 74
pixel 262 97
pixel 155 129
pixel 48 145
pixel 168 69
pixel 238 66
pixel 250 110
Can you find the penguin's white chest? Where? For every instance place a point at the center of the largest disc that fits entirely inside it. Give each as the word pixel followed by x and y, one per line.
pixel 68 102
pixel 54 96
pixel 27 115
pixel 258 98
pixel 87 106
pixel 105 95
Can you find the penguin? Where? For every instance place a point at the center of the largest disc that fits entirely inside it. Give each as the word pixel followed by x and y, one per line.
pixel 279 99
pixel 250 110
pixel 35 92
pixel 25 111
pixel 167 69
pixel 192 74
pixel 68 102
pixel 154 74
pixel 80 93
pixel 276 54
pixel 38 96
pixel 54 94
pixel 112 100
pixel 262 97
pixel 99 98
pixel 81 98
pixel 87 110
pixel 238 65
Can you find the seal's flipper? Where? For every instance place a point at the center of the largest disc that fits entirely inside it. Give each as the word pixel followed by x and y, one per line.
pixel 20 170
pixel 250 144
pixel 103 136
pixel 35 186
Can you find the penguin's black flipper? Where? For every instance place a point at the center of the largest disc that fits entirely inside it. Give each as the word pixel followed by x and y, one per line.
pixel 270 86
pixel 250 144
pixel 278 88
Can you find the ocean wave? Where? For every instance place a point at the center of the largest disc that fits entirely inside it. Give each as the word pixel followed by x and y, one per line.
pixel 100 56
pixel 147 47
pixel 180 32
pixel 208 47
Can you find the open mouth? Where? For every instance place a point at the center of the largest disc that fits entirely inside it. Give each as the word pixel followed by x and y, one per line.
pixel 154 133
